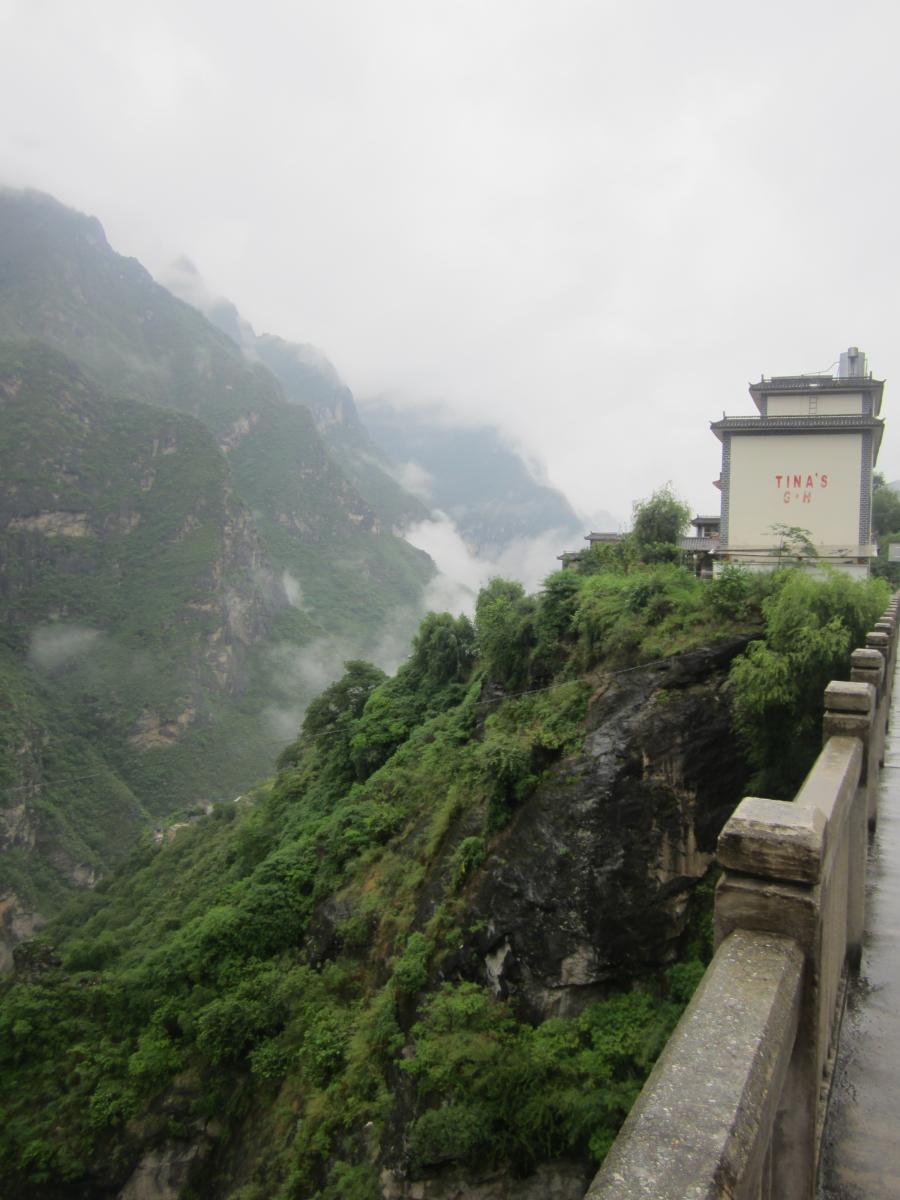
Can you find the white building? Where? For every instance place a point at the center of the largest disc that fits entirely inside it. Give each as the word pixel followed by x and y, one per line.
pixel 805 462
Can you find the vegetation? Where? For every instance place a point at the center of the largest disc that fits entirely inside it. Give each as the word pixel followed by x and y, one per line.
pixel 178 489
pixel 274 965
pixel 811 627
pixel 885 528
pixel 658 524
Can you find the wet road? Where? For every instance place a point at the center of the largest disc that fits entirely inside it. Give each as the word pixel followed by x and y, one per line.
pixel 861 1152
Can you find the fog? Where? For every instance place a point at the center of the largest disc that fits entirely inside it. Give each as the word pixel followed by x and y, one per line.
pixel 589 223
pixel 53 646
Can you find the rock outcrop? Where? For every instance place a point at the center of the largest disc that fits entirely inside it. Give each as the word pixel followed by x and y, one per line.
pixel 590 882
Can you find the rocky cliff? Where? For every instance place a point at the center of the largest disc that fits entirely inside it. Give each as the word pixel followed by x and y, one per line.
pixel 135 593
pixel 409 972
pixel 181 560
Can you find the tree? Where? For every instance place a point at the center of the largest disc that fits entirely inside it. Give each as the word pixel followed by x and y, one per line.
pixel 659 524
pixel 503 631
pixel 885 528
pixel 794 542
pixel 885 507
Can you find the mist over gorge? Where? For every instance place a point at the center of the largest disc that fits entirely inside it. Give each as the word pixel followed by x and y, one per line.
pixel 177 585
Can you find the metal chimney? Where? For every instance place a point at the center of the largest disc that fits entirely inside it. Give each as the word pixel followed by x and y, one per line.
pixel 853 364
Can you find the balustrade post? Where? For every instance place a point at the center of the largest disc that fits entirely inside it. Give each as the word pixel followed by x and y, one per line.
pixel 851 710
pixel 890 617
pixel 867 666
pixel 787 870
pixel 882 642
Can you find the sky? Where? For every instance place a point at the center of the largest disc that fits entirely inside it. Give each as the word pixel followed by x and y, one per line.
pixel 589 223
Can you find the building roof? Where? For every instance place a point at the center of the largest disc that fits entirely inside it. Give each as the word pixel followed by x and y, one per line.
pixel 699 543
pixel 845 422
pixel 778 385
pixel 603 537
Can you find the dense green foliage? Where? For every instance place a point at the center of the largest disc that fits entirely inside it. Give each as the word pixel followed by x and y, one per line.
pixel 515 1094
pixel 158 489
pixel 658 524
pixel 191 969
pixel 811 627
pixel 885 528
pixel 268 965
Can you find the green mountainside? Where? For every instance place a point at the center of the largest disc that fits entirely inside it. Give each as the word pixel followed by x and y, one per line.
pixel 470 472
pixel 135 596
pixel 441 949
pixel 183 562
pixel 308 378
pixel 61 283
pixel 474 477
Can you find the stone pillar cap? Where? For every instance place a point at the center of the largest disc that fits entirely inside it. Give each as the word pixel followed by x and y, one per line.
pixel 867 658
pixel 774 839
pixel 877 639
pixel 841 696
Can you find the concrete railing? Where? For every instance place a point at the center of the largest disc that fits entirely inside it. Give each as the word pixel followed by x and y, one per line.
pixel 735 1105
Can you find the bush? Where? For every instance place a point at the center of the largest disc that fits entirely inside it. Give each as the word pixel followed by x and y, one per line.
pixel 811 627
pixel 411 969
pixel 468 858
pixel 658 525
pixel 503 631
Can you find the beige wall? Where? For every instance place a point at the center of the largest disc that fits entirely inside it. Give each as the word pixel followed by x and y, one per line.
pixel 764 490
pixel 827 404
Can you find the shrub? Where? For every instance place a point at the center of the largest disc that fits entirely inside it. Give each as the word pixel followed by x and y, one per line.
pixel 411 969
pixel 468 858
pixel 811 627
pixel 503 631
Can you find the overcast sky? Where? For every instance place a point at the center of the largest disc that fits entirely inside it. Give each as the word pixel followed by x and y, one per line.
pixel 591 223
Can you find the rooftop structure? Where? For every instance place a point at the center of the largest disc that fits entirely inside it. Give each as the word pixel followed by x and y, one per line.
pixel 804 462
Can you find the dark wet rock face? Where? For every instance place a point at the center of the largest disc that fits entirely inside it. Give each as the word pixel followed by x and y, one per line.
pixel 589 884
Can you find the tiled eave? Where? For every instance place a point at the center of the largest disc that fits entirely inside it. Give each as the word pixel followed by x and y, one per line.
pixel 850 422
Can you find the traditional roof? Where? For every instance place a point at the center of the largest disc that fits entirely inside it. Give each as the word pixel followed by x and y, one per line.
pixel 779 385
pixel 845 422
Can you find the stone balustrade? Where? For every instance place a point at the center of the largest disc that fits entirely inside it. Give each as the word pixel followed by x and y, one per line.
pixel 735 1105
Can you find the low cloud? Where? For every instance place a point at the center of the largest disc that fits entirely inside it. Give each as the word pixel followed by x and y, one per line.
pixel 281 724
pixel 298 674
pixel 52 646
pixel 462 573
pixel 415 479
pixel 292 589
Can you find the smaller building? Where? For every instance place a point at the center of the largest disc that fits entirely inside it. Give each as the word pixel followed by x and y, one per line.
pixel 603 539
pixel 702 544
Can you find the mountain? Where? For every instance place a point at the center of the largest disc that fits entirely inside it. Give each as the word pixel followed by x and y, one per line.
pixel 436 955
pixel 475 477
pixel 183 562
pixel 135 593
pixel 309 378
pixel 471 473
pixel 61 283
pixel 439 950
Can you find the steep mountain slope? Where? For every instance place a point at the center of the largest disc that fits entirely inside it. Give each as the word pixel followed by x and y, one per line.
pixel 474 477
pixel 438 953
pixel 182 562
pixel 61 283
pixel 135 596
pixel 470 473
pixel 308 378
